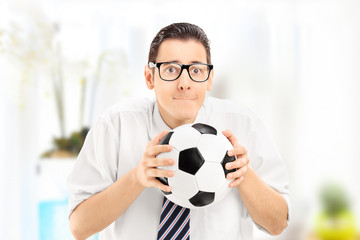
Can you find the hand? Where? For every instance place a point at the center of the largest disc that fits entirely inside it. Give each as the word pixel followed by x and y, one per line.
pixel 240 164
pixel 147 171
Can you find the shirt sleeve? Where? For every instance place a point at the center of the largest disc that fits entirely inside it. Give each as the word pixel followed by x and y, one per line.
pixel 267 162
pixel 96 166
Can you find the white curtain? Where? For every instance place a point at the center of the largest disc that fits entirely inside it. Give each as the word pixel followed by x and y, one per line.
pixel 18 155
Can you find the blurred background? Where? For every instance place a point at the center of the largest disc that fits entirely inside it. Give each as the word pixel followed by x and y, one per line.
pixel 296 64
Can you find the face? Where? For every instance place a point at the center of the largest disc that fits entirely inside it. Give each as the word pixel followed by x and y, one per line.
pixel 179 101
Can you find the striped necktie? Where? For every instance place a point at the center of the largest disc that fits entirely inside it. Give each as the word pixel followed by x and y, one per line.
pixel 174 222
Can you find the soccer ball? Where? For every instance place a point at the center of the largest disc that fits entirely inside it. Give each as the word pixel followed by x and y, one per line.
pixel 200 155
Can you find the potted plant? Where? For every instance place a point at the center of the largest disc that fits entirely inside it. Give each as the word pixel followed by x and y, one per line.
pixel 335 221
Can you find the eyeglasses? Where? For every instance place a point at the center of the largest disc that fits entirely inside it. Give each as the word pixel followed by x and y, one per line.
pixel 170 71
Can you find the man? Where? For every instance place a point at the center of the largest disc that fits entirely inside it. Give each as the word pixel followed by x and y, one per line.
pixel 114 188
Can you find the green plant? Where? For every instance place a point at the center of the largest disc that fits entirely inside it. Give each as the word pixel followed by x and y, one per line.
pixel 67 147
pixel 335 221
pixel 334 199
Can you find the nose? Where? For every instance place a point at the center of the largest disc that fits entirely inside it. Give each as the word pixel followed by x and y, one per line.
pixel 184 81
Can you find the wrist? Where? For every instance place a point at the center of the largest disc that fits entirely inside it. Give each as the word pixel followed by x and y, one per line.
pixel 135 179
pixel 246 177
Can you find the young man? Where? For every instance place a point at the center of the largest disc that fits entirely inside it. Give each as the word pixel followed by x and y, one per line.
pixel 113 187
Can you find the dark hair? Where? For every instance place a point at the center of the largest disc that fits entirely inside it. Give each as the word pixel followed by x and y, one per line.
pixel 182 31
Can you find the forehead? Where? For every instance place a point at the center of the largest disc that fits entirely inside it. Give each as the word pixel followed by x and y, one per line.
pixel 183 51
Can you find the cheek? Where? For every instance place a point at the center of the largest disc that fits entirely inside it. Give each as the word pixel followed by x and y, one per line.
pixel 202 92
pixel 163 93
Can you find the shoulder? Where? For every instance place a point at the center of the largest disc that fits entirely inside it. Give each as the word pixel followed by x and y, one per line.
pixel 129 106
pixel 217 106
pixel 127 111
pixel 135 106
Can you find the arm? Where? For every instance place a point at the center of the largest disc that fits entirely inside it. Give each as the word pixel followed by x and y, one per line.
pixel 101 209
pixel 265 205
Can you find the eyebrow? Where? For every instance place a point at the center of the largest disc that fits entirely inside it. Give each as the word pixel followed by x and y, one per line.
pixel 176 61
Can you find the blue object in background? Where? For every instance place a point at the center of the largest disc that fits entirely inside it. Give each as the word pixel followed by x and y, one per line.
pixel 53 221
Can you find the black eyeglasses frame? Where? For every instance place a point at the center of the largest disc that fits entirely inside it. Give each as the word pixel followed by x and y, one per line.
pixel 183 66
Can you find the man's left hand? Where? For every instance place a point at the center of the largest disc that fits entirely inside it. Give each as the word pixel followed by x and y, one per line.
pixel 240 164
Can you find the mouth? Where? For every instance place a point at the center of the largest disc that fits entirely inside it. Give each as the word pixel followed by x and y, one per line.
pixel 184 98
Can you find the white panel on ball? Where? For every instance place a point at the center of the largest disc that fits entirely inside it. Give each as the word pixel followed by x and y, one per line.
pixel 225 142
pixel 174 154
pixel 184 137
pixel 212 147
pixel 210 177
pixel 183 184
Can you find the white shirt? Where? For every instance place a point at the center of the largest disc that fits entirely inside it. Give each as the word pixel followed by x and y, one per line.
pixel 116 143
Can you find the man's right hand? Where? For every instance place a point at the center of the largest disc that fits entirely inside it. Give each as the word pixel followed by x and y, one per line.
pixel 147 171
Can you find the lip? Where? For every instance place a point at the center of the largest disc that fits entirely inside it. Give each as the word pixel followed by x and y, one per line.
pixel 184 99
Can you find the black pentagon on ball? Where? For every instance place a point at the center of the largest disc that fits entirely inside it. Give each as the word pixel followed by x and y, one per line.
pixel 190 160
pixel 204 128
pixel 164 181
pixel 202 199
pixel 166 139
pixel 225 161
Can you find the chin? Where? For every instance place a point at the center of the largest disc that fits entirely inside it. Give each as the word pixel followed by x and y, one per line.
pixel 188 117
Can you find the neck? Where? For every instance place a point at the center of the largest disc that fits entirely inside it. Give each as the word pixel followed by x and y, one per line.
pixel 174 122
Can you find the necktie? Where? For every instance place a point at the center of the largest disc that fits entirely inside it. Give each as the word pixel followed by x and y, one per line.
pixel 174 222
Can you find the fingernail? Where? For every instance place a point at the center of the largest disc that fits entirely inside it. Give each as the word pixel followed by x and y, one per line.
pixel 171 173
pixel 171 161
pixel 230 152
pixel 228 166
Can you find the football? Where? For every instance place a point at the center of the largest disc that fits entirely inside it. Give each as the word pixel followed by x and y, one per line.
pixel 200 154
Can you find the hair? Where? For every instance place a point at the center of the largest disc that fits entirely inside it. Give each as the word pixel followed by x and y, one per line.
pixel 181 31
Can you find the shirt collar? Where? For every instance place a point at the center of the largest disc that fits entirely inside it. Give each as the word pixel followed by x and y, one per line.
pixel 157 123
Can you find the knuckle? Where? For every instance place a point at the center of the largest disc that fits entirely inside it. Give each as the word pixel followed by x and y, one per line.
pixel 147 161
pixel 160 162
pixel 144 162
pixel 161 173
pixel 151 151
pixel 148 151
pixel 165 173
pixel 151 172
pixel 166 148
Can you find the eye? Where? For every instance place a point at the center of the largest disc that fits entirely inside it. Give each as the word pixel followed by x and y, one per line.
pixel 170 70
pixel 196 70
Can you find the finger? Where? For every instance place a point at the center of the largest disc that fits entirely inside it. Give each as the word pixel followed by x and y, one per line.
pixel 154 172
pixel 236 182
pixel 241 172
pixel 157 138
pixel 157 149
pixel 238 150
pixel 161 186
pixel 158 162
pixel 231 137
pixel 238 163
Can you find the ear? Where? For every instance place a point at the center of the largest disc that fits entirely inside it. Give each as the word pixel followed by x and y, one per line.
pixel 210 81
pixel 149 79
